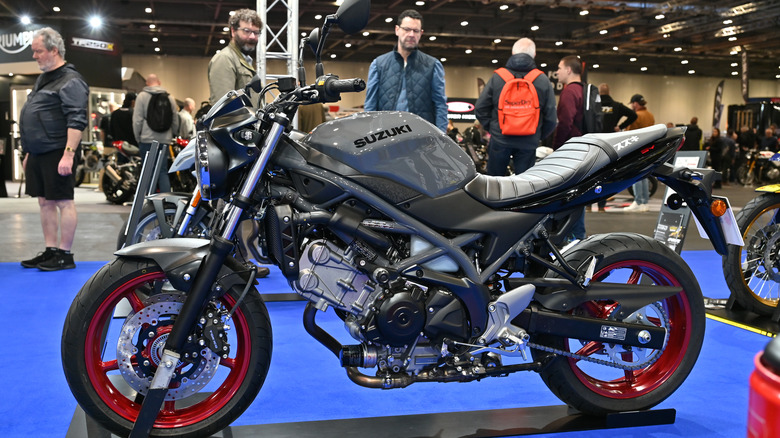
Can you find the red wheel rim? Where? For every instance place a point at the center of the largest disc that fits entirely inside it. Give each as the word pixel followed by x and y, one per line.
pixel 171 416
pixel 636 383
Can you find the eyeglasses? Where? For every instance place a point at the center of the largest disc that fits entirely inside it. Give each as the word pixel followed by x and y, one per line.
pixel 250 31
pixel 409 30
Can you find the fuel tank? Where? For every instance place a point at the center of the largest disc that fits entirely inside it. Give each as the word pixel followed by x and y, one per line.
pixel 398 146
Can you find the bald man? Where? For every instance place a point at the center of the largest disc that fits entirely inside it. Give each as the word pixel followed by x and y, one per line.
pixel 145 135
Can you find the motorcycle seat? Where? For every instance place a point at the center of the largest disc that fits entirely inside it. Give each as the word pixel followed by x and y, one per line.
pixel 569 165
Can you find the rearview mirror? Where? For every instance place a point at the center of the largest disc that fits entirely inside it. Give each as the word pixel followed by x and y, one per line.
pixel 353 15
pixel 313 39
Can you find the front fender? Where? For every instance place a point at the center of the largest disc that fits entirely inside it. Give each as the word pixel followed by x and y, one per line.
pixel 180 258
pixel 771 188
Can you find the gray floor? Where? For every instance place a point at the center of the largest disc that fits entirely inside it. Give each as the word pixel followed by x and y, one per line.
pixel 100 222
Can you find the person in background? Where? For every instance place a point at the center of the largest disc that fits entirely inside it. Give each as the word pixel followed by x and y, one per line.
pixel 614 112
pixel 186 122
pixel 520 149
pixel 51 122
pixel 570 113
pixel 122 121
pixel 311 116
pixel 232 68
pixel 692 136
pixel 769 141
pixel 406 79
pixel 644 118
pixel 717 148
pixel 146 135
pixel 729 156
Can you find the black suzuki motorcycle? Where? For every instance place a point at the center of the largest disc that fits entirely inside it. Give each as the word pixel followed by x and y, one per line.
pixel 437 271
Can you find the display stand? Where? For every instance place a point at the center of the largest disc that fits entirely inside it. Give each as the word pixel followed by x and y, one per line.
pixel 474 424
pixel 736 315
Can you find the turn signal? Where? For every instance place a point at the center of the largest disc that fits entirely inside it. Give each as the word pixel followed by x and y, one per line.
pixel 718 207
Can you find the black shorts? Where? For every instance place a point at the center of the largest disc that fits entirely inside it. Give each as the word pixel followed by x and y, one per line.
pixel 42 179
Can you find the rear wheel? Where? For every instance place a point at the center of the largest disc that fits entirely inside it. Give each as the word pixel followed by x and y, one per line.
pixel 752 271
pixel 744 175
pixel 601 377
pixel 109 359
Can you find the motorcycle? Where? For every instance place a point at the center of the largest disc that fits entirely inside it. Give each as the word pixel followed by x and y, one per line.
pixel 759 167
pixel 752 271
pixel 121 173
pixel 90 160
pixel 352 216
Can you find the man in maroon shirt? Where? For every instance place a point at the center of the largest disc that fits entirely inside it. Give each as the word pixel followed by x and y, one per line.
pixel 570 103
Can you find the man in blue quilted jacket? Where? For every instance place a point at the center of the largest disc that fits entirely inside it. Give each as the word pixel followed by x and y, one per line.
pixel 407 79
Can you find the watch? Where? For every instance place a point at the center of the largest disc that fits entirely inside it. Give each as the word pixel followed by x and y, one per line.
pixel 70 149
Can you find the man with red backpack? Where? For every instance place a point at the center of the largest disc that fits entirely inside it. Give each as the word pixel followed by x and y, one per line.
pixel 517 108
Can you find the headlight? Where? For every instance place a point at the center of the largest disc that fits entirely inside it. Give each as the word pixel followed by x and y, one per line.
pixel 211 167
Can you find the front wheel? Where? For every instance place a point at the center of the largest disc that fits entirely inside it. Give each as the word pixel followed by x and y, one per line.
pixel 744 175
pixel 601 377
pixel 752 271
pixel 148 227
pixel 109 359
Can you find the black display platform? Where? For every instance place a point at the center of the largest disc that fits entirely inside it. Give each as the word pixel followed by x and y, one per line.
pixel 744 319
pixel 472 424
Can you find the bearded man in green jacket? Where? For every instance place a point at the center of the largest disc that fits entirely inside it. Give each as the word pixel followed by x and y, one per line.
pixel 233 67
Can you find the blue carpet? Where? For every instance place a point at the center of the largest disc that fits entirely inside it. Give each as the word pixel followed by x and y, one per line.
pixel 306 383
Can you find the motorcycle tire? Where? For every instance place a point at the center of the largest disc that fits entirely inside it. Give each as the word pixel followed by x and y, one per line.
pixel 613 378
pixel 119 192
pixel 652 185
pixel 148 227
pixel 744 176
pixel 109 385
pixel 752 271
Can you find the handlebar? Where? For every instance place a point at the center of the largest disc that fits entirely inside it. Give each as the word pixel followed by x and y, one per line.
pixel 336 86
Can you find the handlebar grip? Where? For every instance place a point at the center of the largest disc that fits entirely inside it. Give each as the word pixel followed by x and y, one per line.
pixel 336 86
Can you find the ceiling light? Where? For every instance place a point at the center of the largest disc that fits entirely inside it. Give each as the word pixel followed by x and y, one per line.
pixel 95 21
pixel 643 69
pixel 10 73
pixel 222 41
pixel 728 21
pixel 225 29
pixel 584 12
pixel 734 64
pixel 303 34
pixel 432 37
pixel 534 28
pixel 56 9
pixel 148 10
pixel 734 73
pixel 494 61
pixel 543 65
pixel 156 49
pixel 684 61
pixel 464 23
pixel 559 43
pixel 366 33
pixel 660 17
pixel 777 76
pixel 666 35
pixel 389 20
pixel 732 38
pixel 468 51
pixel 503 7
pixel 348 45
pixel 678 49
pixel 25 19
pixel 632 59
pixel 155 39
pixel 332 56
pixel 152 26
pixel 419 3
pixel 690 72
pixel 595 66
pixel 615 48
pixel 318 17
pixel 603 31
pixel 443 59
pixel 497 40
pixel 232 13
pixel 733 52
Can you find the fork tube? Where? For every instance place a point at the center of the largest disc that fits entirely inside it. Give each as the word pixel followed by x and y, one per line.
pixel 280 122
pixel 193 206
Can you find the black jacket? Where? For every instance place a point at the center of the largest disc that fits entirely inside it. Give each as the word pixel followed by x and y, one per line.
pixel 57 102
pixel 487 106
pixel 613 112
pixel 692 138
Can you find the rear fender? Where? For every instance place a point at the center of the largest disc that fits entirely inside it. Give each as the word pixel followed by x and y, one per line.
pixel 181 258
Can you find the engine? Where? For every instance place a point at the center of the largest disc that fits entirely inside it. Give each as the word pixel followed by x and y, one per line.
pixel 400 325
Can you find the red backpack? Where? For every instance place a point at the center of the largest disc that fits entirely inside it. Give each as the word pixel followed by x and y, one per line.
pixel 518 104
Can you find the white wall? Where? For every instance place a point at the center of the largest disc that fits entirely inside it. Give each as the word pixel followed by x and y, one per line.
pixel 670 98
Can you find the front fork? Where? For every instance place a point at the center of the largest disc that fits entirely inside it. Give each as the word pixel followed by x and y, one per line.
pixel 200 292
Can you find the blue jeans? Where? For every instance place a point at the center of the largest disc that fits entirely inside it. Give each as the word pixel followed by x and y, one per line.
pixel 163 183
pixel 499 156
pixel 642 191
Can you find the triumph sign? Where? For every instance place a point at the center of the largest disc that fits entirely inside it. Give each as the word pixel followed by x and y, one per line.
pixel 13 43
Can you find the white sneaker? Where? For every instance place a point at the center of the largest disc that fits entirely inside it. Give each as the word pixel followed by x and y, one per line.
pixel 644 207
pixel 633 207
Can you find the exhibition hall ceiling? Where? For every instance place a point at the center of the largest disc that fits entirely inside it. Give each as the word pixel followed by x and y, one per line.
pixel 703 38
